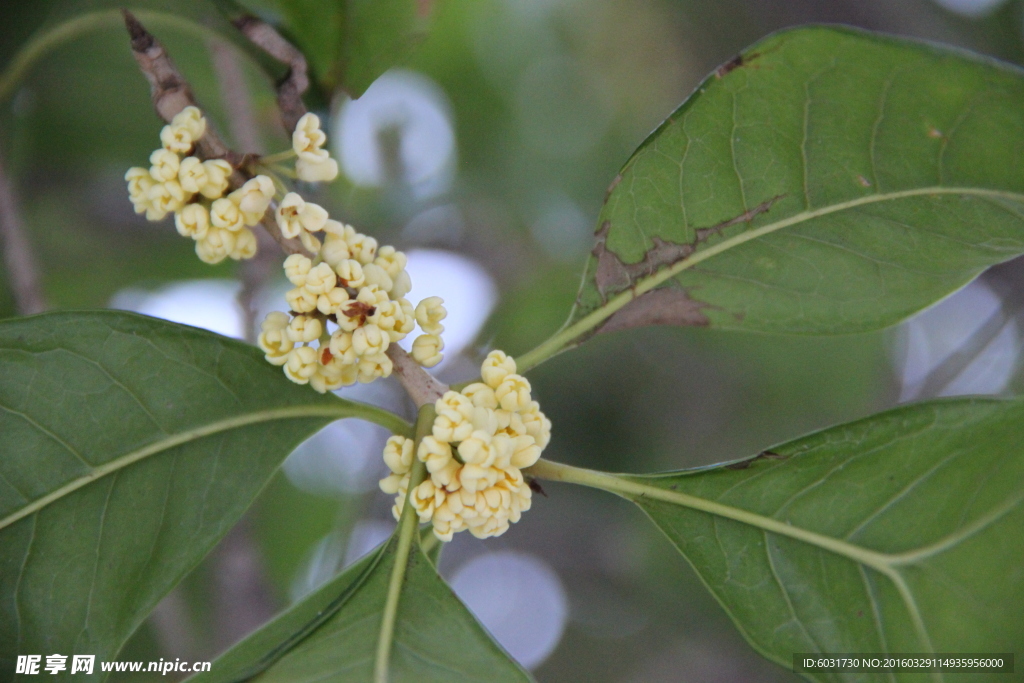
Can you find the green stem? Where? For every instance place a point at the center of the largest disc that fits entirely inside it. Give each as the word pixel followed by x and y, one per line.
pixel 284 170
pixel 569 333
pixel 633 490
pixel 407 528
pixel 277 157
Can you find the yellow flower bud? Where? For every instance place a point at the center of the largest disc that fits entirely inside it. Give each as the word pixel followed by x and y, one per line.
pixel 192 174
pixel 398 454
pixel 309 242
pixel 435 454
pixel 218 174
pixel 294 215
pixel 324 170
pixel 481 395
pixel 537 425
pixel 301 364
pixel 224 213
pixel 373 367
pixel 350 273
pixel 477 449
pixel 331 303
pixel 454 405
pixel 296 268
pixel 192 221
pixel 245 245
pixel 375 275
pixel 392 482
pixel 426 350
pixel 304 329
pixel 495 367
pixel 164 165
pixel 429 314
pixel 525 452
pixel 164 198
pixel 391 260
pixel 341 346
pixel 301 301
pixel 320 279
pixel 273 339
pixel 177 139
pixel 308 138
pixel 370 340
pixel 402 285
pixel 215 246
pixel 335 249
pixel 513 393
pixel 254 196
pixel 362 247
pixel 191 119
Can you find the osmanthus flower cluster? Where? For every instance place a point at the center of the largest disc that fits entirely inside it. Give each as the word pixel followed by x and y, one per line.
pixel 481 439
pixel 194 190
pixel 351 305
pixel 348 303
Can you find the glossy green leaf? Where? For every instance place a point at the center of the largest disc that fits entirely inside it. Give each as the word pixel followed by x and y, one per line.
pixel 897 533
pixel 331 636
pixel 349 43
pixel 59 21
pixel 130 446
pixel 828 181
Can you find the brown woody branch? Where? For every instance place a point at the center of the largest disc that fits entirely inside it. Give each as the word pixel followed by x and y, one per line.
pixel 421 386
pixel 295 82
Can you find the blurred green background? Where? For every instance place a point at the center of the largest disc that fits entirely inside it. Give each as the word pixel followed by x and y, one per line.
pixel 545 100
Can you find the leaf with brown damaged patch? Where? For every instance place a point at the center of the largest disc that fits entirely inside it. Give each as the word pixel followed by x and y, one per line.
pixel 806 193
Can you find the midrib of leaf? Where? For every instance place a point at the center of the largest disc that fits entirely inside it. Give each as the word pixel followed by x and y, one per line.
pixel 365 412
pixel 408 528
pixel 884 563
pixel 564 337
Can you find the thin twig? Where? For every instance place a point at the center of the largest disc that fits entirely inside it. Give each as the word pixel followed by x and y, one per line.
pixel 19 261
pixel 421 386
pixel 295 82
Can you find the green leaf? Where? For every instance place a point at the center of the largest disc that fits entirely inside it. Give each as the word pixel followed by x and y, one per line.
pixel 58 21
pixel 332 634
pixel 827 181
pixel 349 43
pixel 130 446
pixel 897 533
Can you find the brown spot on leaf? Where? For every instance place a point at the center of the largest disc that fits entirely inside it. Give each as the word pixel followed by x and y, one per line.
pixel 934 133
pixel 763 455
pixel 612 275
pixel 863 181
pixel 611 187
pixel 666 306
pixel 733 64
pixel 739 61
